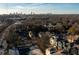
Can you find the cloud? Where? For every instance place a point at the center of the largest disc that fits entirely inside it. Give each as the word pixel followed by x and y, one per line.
pixel 3 11
pixel 19 7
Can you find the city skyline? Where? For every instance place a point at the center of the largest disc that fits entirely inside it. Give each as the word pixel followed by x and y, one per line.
pixel 39 8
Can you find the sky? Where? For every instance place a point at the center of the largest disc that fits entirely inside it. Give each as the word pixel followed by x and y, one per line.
pixel 39 8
